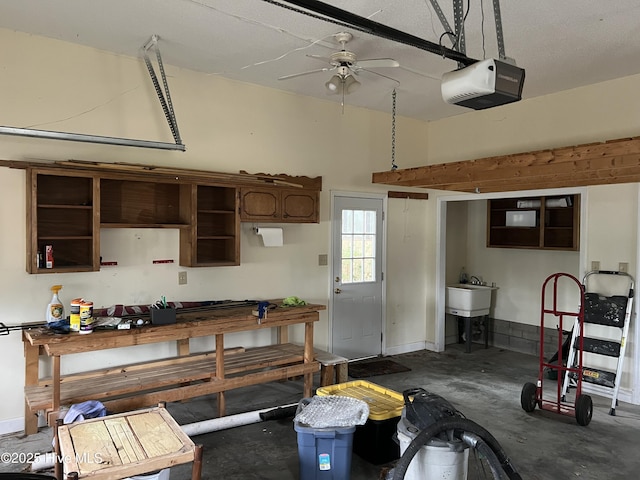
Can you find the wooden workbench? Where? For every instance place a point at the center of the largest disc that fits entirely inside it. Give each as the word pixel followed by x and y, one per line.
pixel 259 365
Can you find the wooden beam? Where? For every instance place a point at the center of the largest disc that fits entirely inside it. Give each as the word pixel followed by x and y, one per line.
pixel 409 195
pixel 615 161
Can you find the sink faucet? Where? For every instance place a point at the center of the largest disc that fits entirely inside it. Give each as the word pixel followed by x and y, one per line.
pixel 475 280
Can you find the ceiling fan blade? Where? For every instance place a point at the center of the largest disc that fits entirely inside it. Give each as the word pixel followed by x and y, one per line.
pixel 293 75
pixel 381 75
pixel 321 58
pixel 378 63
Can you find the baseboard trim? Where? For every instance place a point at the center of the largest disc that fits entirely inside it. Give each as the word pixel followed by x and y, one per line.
pixel 13 425
pixel 406 348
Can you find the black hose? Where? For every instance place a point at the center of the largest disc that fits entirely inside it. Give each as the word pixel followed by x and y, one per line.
pixel 279 413
pixel 475 442
pixel 460 424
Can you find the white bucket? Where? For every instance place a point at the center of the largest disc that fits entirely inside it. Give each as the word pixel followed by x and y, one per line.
pixel 161 475
pixel 434 460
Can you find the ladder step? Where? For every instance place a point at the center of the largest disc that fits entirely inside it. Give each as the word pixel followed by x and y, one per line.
pixel 601 310
pixel 609 348
pixel 599 377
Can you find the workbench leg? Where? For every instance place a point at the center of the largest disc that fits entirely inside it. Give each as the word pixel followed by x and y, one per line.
pixel 308 357
pixel 196 469
pixel 342 372
pixel 56 386
pixel 220 372
pixel 283 334
pixel 31 355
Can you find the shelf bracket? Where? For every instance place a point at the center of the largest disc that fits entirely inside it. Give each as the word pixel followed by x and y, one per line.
pixel 163 96
pixel 165 101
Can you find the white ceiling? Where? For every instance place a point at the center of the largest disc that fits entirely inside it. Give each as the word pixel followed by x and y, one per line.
pixel 561 44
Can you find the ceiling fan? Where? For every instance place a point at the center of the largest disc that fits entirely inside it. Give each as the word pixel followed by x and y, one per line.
pixel 347 66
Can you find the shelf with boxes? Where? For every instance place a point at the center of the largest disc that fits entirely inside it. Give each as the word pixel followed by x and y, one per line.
pixel 551 222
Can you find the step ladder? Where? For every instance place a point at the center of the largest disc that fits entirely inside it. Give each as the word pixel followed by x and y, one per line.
pixel 603 342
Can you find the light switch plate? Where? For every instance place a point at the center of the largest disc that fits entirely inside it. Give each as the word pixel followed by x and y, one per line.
pixel 623 267
pixel 323 259
pixel 595 265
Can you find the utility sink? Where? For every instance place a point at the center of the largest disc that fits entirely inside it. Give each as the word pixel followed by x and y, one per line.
pixel 468 300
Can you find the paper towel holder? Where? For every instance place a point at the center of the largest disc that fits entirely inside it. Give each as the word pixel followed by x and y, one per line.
pixel 271 236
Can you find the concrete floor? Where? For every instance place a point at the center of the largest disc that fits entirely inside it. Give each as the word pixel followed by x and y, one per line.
pixel 484 385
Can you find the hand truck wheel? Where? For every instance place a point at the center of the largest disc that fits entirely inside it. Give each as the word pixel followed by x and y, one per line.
pixel 528 398
pixel 584 410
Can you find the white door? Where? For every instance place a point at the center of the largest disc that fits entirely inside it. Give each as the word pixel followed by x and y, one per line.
pixel 357 277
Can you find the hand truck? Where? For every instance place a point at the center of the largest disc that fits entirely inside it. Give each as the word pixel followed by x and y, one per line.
pixel 533 393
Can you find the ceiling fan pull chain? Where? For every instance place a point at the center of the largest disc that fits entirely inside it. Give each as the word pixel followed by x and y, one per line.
pixel 393 132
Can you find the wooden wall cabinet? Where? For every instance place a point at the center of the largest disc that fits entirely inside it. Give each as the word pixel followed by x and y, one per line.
pixel 282 205
pixel 67 207
pixel 545 222
pixel 62 211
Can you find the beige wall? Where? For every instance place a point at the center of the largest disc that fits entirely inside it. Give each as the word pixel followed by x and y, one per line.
pixel 229 126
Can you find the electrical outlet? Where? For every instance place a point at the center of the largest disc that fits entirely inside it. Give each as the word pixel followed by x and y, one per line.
pixel 595 265
pixel 182 278
pixel 623 267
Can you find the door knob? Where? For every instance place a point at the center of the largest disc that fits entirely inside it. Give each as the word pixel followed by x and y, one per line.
pixel 337 290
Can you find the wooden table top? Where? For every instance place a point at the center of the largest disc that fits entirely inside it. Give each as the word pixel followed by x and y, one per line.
pixel 119 446
pixel 190 323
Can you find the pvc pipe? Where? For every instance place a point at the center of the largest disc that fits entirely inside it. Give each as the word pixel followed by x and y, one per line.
pixel 47 460
pixel 223 423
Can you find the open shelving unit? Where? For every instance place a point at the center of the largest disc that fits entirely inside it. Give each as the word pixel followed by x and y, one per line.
pixel 62 207
pixel 551 223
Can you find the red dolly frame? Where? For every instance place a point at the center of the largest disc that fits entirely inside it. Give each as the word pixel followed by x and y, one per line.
pixel 532 394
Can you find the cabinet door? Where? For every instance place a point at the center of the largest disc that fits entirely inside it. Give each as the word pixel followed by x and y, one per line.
pixel 62 216
pixel 300 206
pixel 260 204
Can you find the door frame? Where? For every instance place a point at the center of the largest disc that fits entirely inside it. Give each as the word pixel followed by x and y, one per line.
pixel 383 260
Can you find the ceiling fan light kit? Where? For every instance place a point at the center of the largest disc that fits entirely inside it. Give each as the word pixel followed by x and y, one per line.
pixel 342 82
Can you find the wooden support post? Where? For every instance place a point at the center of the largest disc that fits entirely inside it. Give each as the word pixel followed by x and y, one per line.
pixel 183 347
pixel 220 372
pixel 196 469
pixel 283 334
pixel 308 357
pixel 31 354
pixel 56 383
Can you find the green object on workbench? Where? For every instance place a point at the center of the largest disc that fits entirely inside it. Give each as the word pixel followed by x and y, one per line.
pixel 293 302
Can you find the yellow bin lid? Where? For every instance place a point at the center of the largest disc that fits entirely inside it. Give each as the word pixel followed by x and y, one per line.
pixel 383 403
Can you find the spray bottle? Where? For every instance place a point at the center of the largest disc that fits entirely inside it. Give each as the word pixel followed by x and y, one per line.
pixel 55 309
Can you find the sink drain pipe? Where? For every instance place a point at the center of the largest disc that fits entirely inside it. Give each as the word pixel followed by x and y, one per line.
pixel 47 460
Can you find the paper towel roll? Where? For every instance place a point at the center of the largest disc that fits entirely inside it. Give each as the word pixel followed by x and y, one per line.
pixel 271 237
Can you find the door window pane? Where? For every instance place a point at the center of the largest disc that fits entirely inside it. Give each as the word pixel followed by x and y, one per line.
pixel 358 246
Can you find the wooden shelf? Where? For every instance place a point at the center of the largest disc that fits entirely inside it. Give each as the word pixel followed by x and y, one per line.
pixel 549 223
